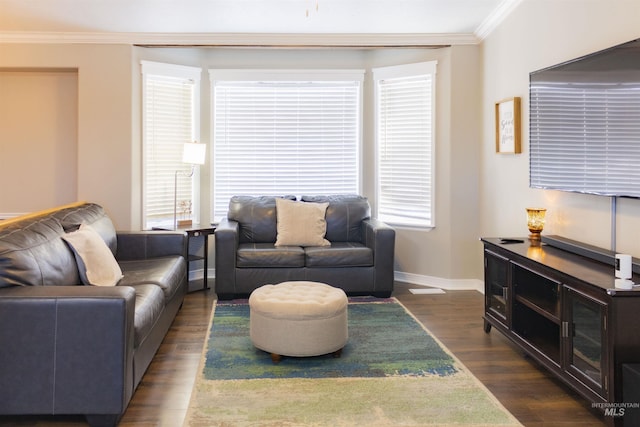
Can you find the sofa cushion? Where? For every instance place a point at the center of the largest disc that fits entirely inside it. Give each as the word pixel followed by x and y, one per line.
pixel 301 223
pixel 256 217
pixel 344 216
pixel 339 254
pixel 149 307
pixel 251 255
pixel 90 214
pixel 165 272
pixel 96 263
pixel 32 253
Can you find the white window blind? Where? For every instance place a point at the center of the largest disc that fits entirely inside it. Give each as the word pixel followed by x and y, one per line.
pixel 584 137
pixel 405 143
pixel 287 136
pixel 170 117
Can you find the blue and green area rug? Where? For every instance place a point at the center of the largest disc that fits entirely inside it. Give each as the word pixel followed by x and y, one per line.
pixel 392 372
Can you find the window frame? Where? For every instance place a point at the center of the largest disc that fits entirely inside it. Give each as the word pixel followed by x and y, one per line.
pixel 406 71
pixel 287 75
pixel 171 71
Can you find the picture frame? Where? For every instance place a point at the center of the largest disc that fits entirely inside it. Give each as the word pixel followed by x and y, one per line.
pixel 508 126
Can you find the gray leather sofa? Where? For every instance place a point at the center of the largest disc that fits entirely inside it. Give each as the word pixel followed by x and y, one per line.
pixel 73 349
pixel 359 260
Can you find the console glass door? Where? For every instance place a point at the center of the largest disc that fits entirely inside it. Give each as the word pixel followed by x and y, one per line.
pixel 586 334
pixel 496 271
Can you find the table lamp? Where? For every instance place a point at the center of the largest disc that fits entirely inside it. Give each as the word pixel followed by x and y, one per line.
pixel 192 153
pixel 535 223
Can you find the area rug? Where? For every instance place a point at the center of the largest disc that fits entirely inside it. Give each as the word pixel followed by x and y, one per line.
pixel 392 372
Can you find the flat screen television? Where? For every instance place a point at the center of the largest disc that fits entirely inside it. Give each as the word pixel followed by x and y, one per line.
pixel 584 124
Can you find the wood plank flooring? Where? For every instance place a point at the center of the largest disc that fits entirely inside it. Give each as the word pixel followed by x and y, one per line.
pixel 525 388
pixel 455 317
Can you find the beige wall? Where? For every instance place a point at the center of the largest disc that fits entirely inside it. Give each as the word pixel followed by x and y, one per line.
pixel 109 132
pixel 478 192
pixel 541 33
pixel 104 119
pixel 38 137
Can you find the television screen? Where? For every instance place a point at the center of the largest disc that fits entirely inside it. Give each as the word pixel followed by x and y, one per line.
pixel 584 124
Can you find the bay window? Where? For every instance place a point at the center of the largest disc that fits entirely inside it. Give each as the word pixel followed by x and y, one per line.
pixel 285 132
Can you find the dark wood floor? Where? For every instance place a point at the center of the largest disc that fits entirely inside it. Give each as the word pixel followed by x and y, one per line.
pixel 455 317
pixel 526 389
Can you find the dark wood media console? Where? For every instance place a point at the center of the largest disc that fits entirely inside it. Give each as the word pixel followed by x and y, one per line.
pixel 563 310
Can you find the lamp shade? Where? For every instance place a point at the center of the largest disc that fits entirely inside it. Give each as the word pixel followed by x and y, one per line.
pixel 194 153
pixel 535 219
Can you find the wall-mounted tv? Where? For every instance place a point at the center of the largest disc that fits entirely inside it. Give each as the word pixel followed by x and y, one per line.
pixel 584 124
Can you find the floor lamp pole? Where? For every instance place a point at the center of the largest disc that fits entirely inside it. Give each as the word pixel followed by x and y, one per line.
pixel 175 201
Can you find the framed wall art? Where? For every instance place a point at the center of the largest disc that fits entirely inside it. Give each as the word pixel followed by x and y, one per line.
pixel 508 126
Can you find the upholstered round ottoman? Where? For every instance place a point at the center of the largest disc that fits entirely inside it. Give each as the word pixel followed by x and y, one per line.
pixel 298 319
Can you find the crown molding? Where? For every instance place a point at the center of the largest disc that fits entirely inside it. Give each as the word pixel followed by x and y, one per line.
pixel 497 16
pixel 243 39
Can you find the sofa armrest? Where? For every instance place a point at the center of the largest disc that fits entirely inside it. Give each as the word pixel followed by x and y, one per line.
pixel 135 245
pixel 381 238
pixel 66 349
pixel 227 239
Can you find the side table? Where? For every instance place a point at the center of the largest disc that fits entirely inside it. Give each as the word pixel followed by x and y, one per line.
pixel 204 231
pixel 193 231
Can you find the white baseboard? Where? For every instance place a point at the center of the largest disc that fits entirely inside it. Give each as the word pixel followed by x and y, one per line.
pixel 414 279
pixel 439 282
pixel 198 274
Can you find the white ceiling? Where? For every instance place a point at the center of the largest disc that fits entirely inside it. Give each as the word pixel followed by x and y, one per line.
pixel 435 18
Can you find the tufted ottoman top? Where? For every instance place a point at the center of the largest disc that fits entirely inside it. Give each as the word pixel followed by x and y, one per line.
pixel 298 300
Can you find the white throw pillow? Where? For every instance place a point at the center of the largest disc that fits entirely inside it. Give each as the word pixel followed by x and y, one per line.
pixel 301 223
pixel 96 263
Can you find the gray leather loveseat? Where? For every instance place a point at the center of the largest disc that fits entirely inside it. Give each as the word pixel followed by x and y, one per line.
pixel 359 259
pixel 66 348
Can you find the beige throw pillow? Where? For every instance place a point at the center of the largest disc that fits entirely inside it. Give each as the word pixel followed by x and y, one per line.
pixel 301 223
pixel 96 263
